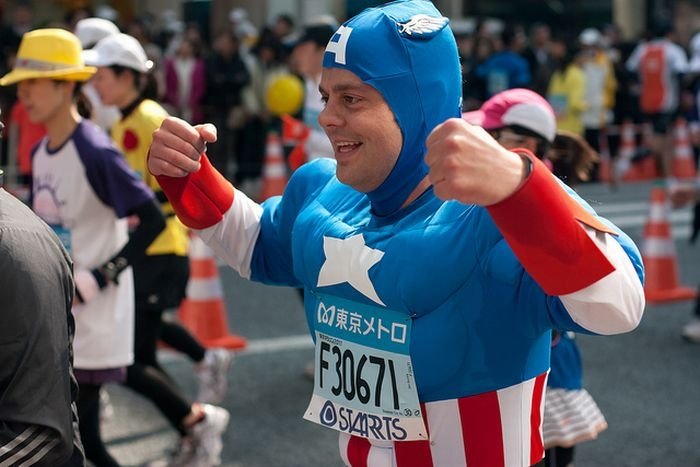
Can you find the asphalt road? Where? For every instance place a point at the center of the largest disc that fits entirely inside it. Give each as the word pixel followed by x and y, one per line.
pixel 646 382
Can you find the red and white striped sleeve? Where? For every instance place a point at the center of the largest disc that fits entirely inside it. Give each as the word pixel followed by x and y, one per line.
pixel 226 219
pixel 570 253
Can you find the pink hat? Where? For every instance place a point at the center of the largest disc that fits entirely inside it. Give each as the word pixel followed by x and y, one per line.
pixel 521 107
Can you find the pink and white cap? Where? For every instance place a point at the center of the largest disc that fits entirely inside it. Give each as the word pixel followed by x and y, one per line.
pixel 521 107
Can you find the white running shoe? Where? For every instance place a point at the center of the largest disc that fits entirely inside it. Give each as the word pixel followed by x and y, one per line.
pixel 206 437
pixel 691 331
pixel 212 374
pixel 106 407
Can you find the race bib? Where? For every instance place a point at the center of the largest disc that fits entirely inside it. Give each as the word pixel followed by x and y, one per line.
pixel 496 82
pixel 559 103
pixel 63 234
pixel 363 377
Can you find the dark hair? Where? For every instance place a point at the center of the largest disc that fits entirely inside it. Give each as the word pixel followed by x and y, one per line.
pixel 145 83
pixel 81 101
pixel 661 28
pixel 508 35
pixel 561 64
pixel 572 157
pixel 542 144
pixel 285 18
pixel 319 34
pixel 267 40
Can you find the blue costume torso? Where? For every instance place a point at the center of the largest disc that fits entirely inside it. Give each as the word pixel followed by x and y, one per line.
pixel 444 263
pixel 472 363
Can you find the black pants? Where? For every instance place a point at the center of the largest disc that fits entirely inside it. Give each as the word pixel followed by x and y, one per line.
pixel 148 378
pixel 558 457
pixel 180 339
pixel 250 150
pixel 592 136
pixel 221 153
pixel 89 415
pixel 161 283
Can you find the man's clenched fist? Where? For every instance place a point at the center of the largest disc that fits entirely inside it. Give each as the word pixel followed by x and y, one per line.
pixel 468 165
pixel 177 147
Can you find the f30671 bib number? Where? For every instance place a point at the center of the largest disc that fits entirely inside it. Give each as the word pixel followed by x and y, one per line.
pixel 362 379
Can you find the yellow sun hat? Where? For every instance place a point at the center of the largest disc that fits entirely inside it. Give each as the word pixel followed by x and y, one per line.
pixel 49 53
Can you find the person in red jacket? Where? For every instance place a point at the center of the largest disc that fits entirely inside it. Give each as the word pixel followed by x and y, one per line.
pixel 24 135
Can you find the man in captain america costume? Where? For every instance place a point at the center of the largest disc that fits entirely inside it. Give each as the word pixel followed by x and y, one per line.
pixel 434 262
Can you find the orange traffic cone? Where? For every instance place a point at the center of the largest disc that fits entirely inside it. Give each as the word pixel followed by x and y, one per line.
pixel 293 131
pixel 297 157
pixel 683 166
pixel 659 255
pixel 275 170
pixel 294 134
pixel 646 168
pixel 203 311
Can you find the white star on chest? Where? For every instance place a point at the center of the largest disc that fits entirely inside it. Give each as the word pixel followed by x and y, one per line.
pixel 349 260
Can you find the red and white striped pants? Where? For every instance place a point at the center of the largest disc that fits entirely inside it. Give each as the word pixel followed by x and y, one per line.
pixel 501 428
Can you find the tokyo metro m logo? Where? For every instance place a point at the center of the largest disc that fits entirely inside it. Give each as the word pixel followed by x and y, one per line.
pixel 338 47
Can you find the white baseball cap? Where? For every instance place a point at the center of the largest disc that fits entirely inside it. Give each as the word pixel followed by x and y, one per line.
pixel 590 36
pixel 92 30
pixel 118 49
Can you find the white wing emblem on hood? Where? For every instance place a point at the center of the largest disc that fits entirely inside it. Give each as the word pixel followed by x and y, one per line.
pixel 420 25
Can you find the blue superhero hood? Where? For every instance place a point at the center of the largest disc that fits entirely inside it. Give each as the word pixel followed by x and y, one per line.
pixel 405 50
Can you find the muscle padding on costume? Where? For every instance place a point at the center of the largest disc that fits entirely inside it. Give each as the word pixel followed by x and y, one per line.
pixel 613 304
pixel 233 238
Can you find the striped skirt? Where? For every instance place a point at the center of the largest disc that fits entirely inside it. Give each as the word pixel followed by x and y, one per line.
pixel 570 417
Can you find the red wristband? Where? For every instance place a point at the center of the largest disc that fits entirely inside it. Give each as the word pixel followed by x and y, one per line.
pixel 201 198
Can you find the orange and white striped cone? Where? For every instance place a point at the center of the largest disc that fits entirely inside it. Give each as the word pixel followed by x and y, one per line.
pixel 683 166
pixel 293 130
pixel 659 255
pixel 294 135
pixel 628 147
pixel 646 168
pixel 297 157
pixel 274 179
pixel 203 311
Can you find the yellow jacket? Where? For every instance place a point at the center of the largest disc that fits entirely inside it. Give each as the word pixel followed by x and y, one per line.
pixel 133 135
pixel 566 95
